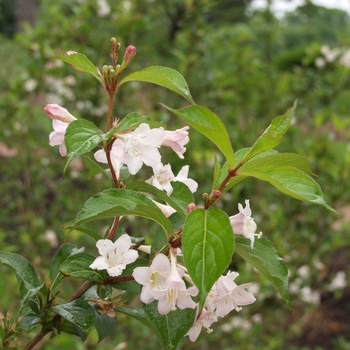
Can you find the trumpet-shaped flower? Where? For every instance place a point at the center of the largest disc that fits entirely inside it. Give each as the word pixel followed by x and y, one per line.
pixel 206 319
pixel 117 156
pixel 175 292
pixel 243 224
pixel 224 296
pixel 182 176
pixel 162 177
pixel 141 146
pixel 152 278
pixel 176 140
pixel 56 137
pixel 114 256
pixel 228 295
pixel 162 281
pixel 60 121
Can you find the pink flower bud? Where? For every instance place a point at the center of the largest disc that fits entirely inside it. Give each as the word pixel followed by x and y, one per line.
pixel 130 52
pixel 55 111
pixel 176 140
pixel 190 207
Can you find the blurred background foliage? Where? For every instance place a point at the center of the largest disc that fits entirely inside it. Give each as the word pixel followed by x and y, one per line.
pixel 246 65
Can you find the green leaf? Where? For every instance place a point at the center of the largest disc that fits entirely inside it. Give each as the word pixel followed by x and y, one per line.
pixel 82 63
pixel 28 280
pixel 29 322
pixel 207 245
pixel 265 259
pixel 130 122
pixel 117 202
pixel 279 159
pixel 78 312
pixel 81 137
pixel 140 315
pixel 210 125
pixel 64 252
pixel 95 168
pixel 104 325
pixel 162 76
pixel 290 181
pixel 171 327
pixel 77 265
pixel 70 328
pixel 271 137
pixel 239 155
pixel 87 228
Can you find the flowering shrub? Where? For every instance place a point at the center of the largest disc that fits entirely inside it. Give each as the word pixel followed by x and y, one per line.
pixel 182 273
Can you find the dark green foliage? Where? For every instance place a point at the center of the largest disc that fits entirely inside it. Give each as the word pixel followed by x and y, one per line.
pixel 247 70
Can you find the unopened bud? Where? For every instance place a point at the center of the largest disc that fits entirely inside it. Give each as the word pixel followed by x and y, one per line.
pixel 215 194
pixel 130 52
pixel 113 41
pixel 55 111
pixel 190 207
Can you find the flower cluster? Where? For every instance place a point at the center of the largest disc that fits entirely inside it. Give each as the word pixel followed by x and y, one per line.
pixel 165 280
pixel 224 296
pixel 133 149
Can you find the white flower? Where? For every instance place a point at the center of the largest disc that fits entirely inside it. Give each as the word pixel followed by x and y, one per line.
pixel 163 281
pixel 182 176
pixel 175 292
pixel 243 224
pixel 230 296
pixel 117 155
pixel 162 177
pixel 206 319
pixel 114 256
pixel 176 140
pixel 56 137
pixel 142 147
pixel 166 209
pixel 153 278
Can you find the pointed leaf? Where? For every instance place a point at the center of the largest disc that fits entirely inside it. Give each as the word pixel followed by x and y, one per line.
pixel 78 312
pixel 86 227
pixel 209 124
pixel 140 315
pixel 104 325
pixel 77 265
pixel 81 63
pixel 171 327
pixel 271 137
pixel 70 328
pixel 95 168
pixel 265 259
pixel 117 202
pixel 64 252
pixel 162 76
pixel 279 159
pixel 207 245
pixel 26 275
pixel 130 122
pixel 81 137
pixel 290 181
